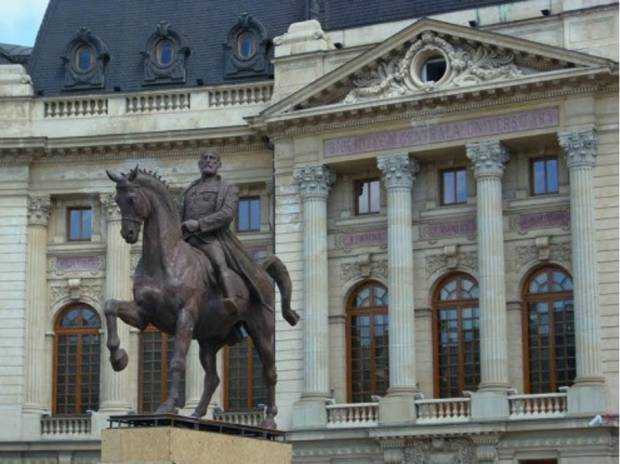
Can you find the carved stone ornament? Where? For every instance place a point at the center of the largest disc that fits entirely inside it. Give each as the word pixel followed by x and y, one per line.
pixel 88 290
pixel 314 181
pixel 75 266
pixel 579 147
pixel 541 251
pixel 363 268
pixel 156 71
pixel 39 209
pixel 440 451
pixel 256 63
pixel 466 64
pixel 449 260
pixel 398 170
pixel 109 206
pixel 489 157
pixel 93 76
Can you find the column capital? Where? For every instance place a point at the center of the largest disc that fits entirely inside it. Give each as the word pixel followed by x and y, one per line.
pixel 314 181
pixel 110 208
pixel 489 157
pixel 39 209
pixel 398 170
pixel 580 147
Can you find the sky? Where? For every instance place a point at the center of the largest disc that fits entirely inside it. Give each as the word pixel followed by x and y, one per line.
pixel 20 20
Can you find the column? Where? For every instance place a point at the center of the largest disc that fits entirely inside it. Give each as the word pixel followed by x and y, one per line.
pixel 314 183
pixel 588 393
pixel 398 173
pixel 489 158
pixel 116 392
pixel 37 357
pixel 194 379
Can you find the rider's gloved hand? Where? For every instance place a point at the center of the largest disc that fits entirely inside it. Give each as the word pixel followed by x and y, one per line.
pixel 191 225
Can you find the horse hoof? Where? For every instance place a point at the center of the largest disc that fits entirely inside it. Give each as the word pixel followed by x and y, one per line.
pixel 268 423
pixel 167 407
pixel 119 360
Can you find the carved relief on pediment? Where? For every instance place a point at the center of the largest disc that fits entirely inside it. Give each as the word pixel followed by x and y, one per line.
pixel 440 451
pixel 466 63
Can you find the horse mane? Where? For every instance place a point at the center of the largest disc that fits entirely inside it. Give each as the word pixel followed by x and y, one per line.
pixel 155 183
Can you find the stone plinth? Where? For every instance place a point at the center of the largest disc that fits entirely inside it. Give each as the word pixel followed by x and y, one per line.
pixel 167 445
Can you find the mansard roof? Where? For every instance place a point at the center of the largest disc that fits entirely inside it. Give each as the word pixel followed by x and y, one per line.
pixel 11 54
pixel 125 26
pixel 478 61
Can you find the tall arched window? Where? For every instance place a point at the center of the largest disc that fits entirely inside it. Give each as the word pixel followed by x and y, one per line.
pixel 367 342
pixel 156 349
pixel 456 336
pixel 244 388
pixel 549 333
pixel 76 360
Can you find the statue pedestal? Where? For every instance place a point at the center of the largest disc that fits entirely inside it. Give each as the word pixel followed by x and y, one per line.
pixel 188 442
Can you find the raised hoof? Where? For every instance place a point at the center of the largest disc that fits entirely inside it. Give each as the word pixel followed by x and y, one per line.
pixel 119 360
pixel 196 415
pixel 268 423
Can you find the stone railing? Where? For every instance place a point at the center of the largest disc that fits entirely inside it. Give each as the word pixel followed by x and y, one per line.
pixel 353 415
pixel 65 426
pixel 75 108
pixel 251 418
pixel 249 94
pixel 537 406
pixel 161 102
pixel 444 410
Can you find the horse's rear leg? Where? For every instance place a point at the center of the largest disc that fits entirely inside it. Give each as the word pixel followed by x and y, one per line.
pixel 133 315
pixel 212 380
pixel 264 342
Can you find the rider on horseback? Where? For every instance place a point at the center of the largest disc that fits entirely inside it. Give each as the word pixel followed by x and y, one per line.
pixel 209 206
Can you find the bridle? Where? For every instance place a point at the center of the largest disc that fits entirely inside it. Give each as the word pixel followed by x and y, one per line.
pixel 130 219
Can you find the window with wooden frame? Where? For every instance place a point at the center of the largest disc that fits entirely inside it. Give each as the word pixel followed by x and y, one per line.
pixel 79 223
pixel 248 214
pixel 456 336
pixel 367 196
pixel 544 175
pixel 244 387
pixel 453 186
pixel 75 387
pixel 549 330
pixel 367 342
pixel 156 349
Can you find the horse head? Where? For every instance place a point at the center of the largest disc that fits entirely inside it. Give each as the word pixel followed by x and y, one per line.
pixel 134 205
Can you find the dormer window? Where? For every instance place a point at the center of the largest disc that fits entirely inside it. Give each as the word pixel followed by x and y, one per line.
pixel 246 45
pixel 165 52
pixel 84 58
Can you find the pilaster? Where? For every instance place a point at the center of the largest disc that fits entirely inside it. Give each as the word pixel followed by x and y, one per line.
pixel 398 174
pixel 314 183
pixel 490 401
pixel 587 395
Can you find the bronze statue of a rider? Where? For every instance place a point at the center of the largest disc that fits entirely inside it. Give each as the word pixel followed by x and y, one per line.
pixel 209 206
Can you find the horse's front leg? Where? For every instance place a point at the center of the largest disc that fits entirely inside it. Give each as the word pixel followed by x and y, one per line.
pixel 133 315
pixel 182 340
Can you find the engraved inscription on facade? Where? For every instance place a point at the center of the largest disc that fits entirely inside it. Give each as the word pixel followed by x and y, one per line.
pixel 463 227
pixel 541 220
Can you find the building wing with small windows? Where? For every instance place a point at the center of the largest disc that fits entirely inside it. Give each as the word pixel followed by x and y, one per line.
pixel 440 179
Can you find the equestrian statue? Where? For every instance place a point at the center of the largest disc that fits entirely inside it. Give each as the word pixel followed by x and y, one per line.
pixel 195 280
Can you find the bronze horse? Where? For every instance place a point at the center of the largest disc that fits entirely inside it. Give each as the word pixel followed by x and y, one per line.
pixel 174 290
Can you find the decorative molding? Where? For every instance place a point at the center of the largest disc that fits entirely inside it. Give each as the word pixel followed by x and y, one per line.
pixel 39 209
pixel 542 251
pixel 440 451
pixel 449 228
pixel 451 258
pixel 363 268
pixel 109 206
pixel 175 71
pixel 314 181
pixel 59 267
pixel 94 78
pixel 398 171
pixel 580 148
pixel 486 447
pixel 489 157
pixel 88 290
pixel 257 65
pixel 524 222
pixel 426 134
pixel 467 64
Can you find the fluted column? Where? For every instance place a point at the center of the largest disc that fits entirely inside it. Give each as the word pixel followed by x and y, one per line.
pixel 116 392
pixel 36 380
pixel 314 184
pixel 194 378
pixel 489 158
pixel 398 172
pixel 580 148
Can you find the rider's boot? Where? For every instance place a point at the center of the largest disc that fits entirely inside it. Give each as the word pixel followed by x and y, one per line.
pixel 229 302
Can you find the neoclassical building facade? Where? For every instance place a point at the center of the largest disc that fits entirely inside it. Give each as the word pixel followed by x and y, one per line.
pixel 443 190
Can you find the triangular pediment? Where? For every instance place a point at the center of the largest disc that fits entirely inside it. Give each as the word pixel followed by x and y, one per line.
pixel 460 59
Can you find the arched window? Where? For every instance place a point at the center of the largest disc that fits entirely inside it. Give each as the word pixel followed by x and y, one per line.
pixel 549 331
pixel 246 45
pixel 156 349
pixel 76 360
pixel 165 52
pixel 456 336
pixel 244 388
pixel 84 58
pixel 367 342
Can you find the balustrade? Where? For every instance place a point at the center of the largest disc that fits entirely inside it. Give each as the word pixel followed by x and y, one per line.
pixel 443 410
pixel 539 405
pixel 74 108
pixel 240 95
pixel 65 426
pixel 353 415
pixel 157 103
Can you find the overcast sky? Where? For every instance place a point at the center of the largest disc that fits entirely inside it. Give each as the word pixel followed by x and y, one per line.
pixel 20 20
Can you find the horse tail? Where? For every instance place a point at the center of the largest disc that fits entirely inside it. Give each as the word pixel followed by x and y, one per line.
pixel 278 272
